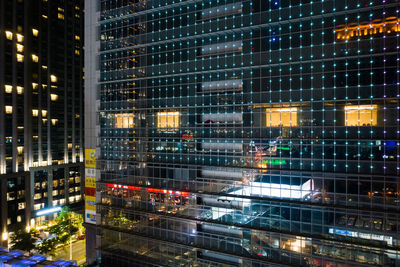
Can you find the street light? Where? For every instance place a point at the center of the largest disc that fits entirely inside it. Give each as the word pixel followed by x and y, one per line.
pixel 4 236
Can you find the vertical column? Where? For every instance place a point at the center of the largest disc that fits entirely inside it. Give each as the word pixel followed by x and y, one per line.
pixel 2 139
pixel 29 182
pixel 50 187
pixel 66 184
pixel 27 88
pixel 3 210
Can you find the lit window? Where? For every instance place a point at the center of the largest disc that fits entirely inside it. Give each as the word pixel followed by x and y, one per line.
pixel 60 16
pixel 281 117
pixel 77 52
pixel 35 112
pixel 20 90
pixel 8 109
pixel 168 121
pixel 44 16
pixel 20 58
pixel 77 37
pixel 35 58
pixel 44 113
pixel 20 38
pixel 9 35
pixel 53 97
pixel 54 121
pixel 35 32
pixel 124 120
pixel 44 67
pixel 20 48
pixel 20 150
pixel 361 115
pixel 44 121
pixel 8 88
pixel 35 85
pixel 53 78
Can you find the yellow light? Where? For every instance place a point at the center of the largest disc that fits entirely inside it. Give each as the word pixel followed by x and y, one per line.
pixel 60 16
pixel 53 97
pixel 281 117
pixel 35 112
pixel 53 78
pixel 35 32
pixel 20 58
pixel 8 109
pixel 54 121
pixel 4 236
pixel 35 85
pixel 9 35
pixel 20 90
pixel 77 37
pixel 20 150
pixel 20 48
pixel 44 113
pixel 20 38
pixel 35 58
pixel 8 88
pixel 361 115
pixel 168 121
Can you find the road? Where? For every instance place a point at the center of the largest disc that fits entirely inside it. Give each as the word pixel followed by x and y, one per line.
pixel 78 252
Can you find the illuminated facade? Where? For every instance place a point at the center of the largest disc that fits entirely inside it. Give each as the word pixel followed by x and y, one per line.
pixel 264 133
pixel 41 106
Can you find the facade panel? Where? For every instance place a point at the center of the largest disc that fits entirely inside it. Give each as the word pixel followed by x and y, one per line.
pixel 248 133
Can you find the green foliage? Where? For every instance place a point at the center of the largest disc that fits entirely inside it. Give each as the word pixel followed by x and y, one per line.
pixel 47 247
pixel 24 240
pixel 67 225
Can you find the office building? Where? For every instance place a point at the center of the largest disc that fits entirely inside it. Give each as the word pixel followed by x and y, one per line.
pixel 41 108
pixel 246 133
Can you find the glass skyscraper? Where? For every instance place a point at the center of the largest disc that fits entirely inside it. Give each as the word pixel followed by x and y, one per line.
pixel 247 133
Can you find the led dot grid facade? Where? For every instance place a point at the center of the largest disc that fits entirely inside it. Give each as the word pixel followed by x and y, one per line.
pixel 249 133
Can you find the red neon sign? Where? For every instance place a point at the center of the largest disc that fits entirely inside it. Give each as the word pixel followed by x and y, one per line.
pixel 153 190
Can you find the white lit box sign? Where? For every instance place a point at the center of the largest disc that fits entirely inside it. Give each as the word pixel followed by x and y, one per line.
pixel 387 239
pixel 48 211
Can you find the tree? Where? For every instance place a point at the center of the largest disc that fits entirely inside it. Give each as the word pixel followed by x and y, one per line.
pixel 67 225
pixel 24 240
pixel 47 246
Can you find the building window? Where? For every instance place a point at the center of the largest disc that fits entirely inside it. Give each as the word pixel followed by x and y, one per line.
pixel 285 117
pixel 20 90
pixel 361 115
pixel 60 16
pixel 20 38
pixel 124 120
pixel 35 112
pixel 35 58
pixel 35 32
pixel 44 113
pixel 19 219
pixel 20 58
pixel 168 121
pixel 53 78
pixel 20 150
pixel 8 88
pixel 54 121
pixel 8 109
pixel 53 97
pixel 9 35
pixel 21 205
pixel 20 48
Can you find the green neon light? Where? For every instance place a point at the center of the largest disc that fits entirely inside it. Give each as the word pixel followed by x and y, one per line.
pixel 283 148
pixel 274 161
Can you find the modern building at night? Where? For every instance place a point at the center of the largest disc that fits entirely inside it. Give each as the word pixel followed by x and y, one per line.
pixel 246 133
pixel 41 108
